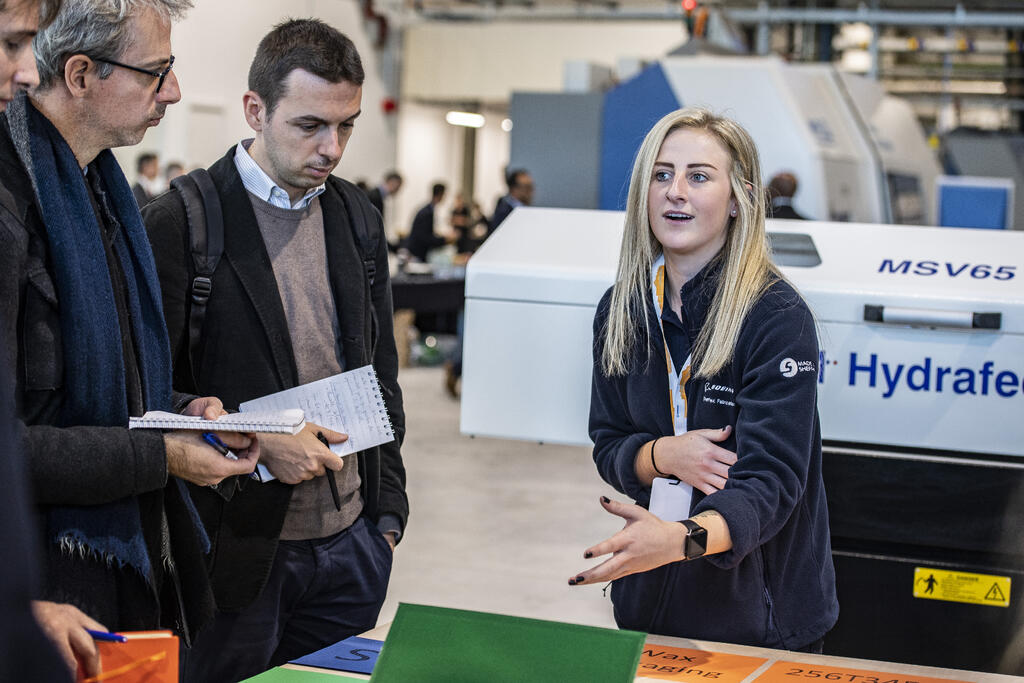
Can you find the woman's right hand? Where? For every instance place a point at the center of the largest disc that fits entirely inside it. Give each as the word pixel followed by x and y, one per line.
pixel 694 457
pixel 644 543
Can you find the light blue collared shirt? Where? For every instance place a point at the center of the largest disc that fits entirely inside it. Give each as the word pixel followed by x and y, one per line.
pixel 257 182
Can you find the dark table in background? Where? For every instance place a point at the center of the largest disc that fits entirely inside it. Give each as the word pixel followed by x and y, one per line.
pixel 437 300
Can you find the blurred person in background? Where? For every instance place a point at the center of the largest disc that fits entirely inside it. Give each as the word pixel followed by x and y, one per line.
pixel 469 225
pixel 422 238
pixel 147 181
pixel 520 193
pixel 781 190
pixel 172 170
pixel 391 185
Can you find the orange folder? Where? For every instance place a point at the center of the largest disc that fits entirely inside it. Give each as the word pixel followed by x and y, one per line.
pixel 146 657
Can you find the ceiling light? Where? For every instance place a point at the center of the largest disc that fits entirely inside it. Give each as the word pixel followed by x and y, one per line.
pixel 464 118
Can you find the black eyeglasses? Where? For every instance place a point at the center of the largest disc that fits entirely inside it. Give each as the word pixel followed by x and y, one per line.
pixel 155 74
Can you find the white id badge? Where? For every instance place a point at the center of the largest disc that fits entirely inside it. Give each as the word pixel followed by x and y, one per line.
pixel 670 499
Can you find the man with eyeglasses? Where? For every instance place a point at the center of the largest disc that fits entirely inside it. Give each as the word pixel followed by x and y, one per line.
pixel 82 337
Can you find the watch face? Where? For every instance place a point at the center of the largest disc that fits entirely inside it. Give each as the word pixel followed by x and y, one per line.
pixel 696 541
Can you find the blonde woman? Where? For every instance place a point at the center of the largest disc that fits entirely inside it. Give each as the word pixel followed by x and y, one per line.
pixel 704 390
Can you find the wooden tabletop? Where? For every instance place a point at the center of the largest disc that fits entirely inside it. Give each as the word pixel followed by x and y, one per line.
pixel 815 669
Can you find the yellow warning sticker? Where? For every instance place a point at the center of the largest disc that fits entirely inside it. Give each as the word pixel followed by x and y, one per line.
pixel 977 589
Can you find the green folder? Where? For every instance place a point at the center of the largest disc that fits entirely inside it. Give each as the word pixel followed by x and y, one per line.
pixel 427 644
pixel 279 675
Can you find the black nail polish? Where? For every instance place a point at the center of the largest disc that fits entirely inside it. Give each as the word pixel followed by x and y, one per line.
pixel 579 579
pixel 587 555
pixel 572 582
pixel 606 499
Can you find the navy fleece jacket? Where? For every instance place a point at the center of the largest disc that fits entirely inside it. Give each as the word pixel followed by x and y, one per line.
pixel 776 586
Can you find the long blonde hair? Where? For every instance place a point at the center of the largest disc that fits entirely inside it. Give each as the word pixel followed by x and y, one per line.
pixel 747 269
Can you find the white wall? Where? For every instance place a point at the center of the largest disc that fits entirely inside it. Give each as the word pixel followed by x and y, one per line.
pixel 213 48
pixel 487 61
pixel 430 150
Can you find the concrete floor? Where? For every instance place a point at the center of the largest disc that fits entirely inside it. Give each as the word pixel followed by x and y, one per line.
pixel 494 525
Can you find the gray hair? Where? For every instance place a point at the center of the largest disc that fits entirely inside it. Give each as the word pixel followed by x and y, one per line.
pixel 97 28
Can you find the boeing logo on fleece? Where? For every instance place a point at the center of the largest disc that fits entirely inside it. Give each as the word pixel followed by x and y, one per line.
pixel 710 388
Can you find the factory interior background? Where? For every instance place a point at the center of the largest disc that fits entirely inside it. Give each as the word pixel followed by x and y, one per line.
pixel 881 107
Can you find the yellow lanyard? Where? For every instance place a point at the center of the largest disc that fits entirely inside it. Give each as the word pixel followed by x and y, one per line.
pixel 676 380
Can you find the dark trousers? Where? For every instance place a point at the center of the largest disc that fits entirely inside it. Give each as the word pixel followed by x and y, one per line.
pixel 815 648
pixel 318 592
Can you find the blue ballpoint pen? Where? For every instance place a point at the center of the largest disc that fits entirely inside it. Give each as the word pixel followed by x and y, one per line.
pixel 104 635
pixel 214 440
pixel 221 447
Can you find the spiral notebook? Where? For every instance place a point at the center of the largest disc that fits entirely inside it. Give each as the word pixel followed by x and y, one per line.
pixel 349 402
pixel 263 422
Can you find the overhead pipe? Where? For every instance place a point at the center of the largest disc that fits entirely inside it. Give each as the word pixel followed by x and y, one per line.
pixel 958 17
pixel 761 14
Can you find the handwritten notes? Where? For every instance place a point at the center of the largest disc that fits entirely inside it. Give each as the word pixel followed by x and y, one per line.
pixel 349 402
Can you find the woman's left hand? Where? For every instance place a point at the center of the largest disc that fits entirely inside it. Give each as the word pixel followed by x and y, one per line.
pixel 645 543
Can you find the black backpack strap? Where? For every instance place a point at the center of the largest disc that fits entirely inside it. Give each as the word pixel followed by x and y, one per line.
pixel 363 217
pixel 206 245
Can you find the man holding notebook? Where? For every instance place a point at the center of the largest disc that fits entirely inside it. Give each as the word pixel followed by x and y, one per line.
pixel 82 341
pixel 297 296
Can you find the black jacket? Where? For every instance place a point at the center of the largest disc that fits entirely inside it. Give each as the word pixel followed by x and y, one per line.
pixel 81 465
pixel 141 196
pixel 246 352
pixel 501 211
pixel 26 654
pixel 421 237
pixel 376 198
pixel 776 586
pixel 784 210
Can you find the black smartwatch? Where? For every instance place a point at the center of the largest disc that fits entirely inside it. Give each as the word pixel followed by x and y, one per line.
pixel 696 542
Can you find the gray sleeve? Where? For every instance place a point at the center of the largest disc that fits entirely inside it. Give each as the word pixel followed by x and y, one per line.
pixel 81 465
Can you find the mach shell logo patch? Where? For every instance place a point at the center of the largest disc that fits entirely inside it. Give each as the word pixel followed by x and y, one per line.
pixel 789 367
